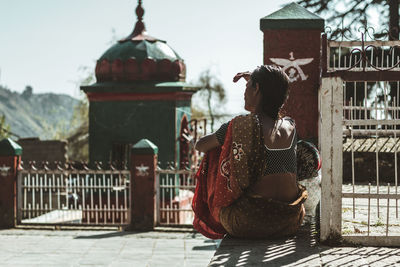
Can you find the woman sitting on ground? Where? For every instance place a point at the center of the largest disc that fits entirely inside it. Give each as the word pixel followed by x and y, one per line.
pixel 247 183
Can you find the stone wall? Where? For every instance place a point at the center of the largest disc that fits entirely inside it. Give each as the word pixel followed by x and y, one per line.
pixel 38 150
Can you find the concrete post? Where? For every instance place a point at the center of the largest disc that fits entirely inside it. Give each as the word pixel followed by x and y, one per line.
pixel 10 158
pixel 143 185
pixel 292 40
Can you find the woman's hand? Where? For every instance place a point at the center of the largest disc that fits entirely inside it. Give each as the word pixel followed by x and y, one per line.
pixel 245 75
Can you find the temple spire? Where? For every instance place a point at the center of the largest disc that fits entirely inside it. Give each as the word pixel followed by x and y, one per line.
pixel 139 27
pixel 139 32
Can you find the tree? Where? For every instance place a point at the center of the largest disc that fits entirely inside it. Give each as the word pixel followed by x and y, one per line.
pixel 28 92
pixel 4 128
pixel 211 90
pixel 78 137
pixel 356 13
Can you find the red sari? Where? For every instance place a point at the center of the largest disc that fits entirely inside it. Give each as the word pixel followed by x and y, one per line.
pixel 226 172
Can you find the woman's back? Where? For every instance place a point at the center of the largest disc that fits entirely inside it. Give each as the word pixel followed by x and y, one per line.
pixel 279 179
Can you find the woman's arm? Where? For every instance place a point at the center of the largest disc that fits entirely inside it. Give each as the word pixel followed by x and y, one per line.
pixel 207 143
pixel 213 140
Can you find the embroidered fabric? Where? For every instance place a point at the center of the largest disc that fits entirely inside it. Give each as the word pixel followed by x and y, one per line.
pixel 277 160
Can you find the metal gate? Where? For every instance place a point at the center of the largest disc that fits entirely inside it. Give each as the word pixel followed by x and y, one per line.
pixel 73 197
pixel 175 191
pixel 360 141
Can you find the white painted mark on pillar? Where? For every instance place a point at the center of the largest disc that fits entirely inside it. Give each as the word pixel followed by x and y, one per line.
pixel 293 66
pixel 142 170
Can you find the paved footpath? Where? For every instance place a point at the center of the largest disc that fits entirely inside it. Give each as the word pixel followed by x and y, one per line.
pixel 300 251
pixel 103 248
pixel 113 248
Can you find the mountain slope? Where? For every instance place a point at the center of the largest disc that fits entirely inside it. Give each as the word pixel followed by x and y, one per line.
pixel 36 115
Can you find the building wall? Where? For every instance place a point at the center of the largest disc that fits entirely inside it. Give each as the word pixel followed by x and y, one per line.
pixel 127 122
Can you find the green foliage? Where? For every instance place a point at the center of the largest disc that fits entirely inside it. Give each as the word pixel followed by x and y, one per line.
pixel 4 128
pixel 378 223
pixel 197 113
pixel 211 91
pixel 78 137
pixel 353 14
pixel 78 147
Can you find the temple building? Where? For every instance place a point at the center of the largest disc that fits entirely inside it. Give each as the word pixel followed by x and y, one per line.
pixel 140 92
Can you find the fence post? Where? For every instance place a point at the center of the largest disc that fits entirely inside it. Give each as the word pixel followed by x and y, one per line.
pixel 331 150
pixel 10 157
pixel 143 185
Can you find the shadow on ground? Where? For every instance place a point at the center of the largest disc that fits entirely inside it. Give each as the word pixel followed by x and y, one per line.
pixel 298 250
pixel 157 233
pixel 106 235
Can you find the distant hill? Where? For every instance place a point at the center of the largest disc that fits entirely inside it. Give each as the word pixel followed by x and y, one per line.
pixel 36 115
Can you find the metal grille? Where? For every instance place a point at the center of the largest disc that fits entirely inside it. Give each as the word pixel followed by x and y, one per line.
pixel 363 55
pixel 371 116
pixel 69 196
pixel 174 196
pixel 360 139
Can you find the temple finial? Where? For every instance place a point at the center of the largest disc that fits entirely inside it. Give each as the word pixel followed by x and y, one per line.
pixel 139 27
pixel 139 11
pixel 139 32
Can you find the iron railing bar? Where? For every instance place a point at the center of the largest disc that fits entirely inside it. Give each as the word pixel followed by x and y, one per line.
pixel 387 210
pixel 365 133
pixel 352 161
pixel 395 164
pixel 77 172
pixel 369 207
pixel 178 186
pixel 377 157
pixel 183 172
pixel 372 196
pixel 379 43
pixel 174 209
pixel 371 122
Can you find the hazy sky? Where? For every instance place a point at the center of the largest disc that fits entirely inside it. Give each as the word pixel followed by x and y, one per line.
pixel 43 43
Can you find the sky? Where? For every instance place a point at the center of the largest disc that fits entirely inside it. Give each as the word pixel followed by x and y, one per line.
pixel 47 44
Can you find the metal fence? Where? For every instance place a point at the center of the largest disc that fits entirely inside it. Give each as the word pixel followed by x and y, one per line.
pixel 174 196
pixel 70 196
pixel 360 139
pixel 377 123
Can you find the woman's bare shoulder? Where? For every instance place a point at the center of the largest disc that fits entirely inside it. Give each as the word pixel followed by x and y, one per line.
pixel 282 134
pixel 288 125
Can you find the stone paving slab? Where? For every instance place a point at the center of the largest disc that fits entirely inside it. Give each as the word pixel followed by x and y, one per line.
pixel 355 214
pixel 103 248
pixel 119 249
pixel 301 250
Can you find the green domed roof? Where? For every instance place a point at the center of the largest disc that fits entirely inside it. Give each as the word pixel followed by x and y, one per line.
pixel 140 50
pixel 140 57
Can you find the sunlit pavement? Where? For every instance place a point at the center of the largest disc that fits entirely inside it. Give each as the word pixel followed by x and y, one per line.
pixel 103 248
pixel 302 250
pixel 21 247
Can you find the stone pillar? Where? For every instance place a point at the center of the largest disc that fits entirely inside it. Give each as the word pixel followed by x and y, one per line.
pixel 143 185
pixel 10 158
pixel 292 40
